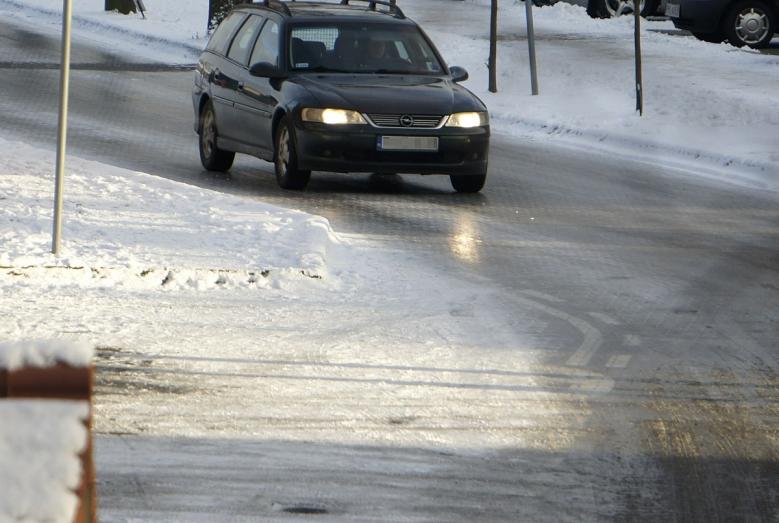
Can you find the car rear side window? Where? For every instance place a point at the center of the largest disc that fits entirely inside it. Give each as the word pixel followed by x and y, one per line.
pixel 244 40
pixel 267 47
pixel 222 35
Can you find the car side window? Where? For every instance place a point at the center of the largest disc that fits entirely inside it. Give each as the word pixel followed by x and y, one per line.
pixel 222 35
pixel 267 47
pixel 242 43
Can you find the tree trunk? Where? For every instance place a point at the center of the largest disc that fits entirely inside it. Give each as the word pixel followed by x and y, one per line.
pixel 123 6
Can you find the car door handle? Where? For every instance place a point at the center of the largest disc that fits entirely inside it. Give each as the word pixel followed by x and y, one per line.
pixel 240 86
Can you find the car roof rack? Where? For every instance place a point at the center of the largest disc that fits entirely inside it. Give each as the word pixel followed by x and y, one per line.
pixel 281 6
pixel 275 5
pixel 391 4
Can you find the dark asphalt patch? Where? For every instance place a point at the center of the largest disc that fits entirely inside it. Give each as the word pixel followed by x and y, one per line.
pixel 134 67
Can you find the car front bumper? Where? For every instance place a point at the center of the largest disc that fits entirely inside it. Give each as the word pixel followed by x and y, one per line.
pixel 354 149
pixel 700 16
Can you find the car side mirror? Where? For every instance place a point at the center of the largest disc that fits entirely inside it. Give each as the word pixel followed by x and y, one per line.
pixel 459 74
pixel 266 70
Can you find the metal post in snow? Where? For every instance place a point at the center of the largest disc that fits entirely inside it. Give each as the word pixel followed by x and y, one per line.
pixel 62 131
pixel 639 75
pixel 493 61
pixel 531 46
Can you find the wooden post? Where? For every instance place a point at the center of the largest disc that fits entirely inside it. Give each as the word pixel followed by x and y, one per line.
pixel 68 383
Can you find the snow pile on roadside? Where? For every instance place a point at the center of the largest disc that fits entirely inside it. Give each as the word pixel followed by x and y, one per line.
pixel 39 465
pixel 128 228
pixel 44 353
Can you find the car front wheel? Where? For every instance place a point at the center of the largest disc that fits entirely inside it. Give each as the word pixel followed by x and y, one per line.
pixel 288 176
pixel 212 157
pixel 468 183
pixel 750 23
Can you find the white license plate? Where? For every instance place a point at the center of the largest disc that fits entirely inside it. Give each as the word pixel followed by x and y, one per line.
pixel 407 143
pixel 672 10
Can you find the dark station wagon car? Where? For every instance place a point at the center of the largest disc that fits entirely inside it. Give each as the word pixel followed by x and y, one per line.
pixel 341 87
pixel 741 22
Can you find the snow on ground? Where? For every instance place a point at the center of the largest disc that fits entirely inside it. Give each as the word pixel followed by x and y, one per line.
pixel 199 282
pixel 383 354
pixel 709 107
pixel 39 465
pixel 120 227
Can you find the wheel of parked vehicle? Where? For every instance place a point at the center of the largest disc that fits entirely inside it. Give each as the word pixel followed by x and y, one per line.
pixel 467 183
pixel 288 175
pixel 714 38
pixel 212 157
pixel 611 8
pixel 750 22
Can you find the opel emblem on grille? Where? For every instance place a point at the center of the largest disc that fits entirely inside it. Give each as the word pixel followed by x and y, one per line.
pixel 406 120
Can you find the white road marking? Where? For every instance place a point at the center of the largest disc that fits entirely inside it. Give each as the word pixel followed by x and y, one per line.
pixel 542 296
pixel 592 336
pixel 604 318
pixel 631 340
pixel 619 361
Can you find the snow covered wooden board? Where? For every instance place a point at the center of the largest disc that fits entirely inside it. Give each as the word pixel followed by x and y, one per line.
pixel 40 467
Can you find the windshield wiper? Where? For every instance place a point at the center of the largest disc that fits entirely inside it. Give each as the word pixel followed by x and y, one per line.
pixel 392 71
pixel 323 69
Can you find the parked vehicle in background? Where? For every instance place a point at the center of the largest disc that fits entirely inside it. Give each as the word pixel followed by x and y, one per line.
pixel 750 23
pixel 353 86
pixel 610 8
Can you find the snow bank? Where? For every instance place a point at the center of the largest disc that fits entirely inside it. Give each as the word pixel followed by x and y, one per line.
pixel 132 229
pixel 39 465
pixel 44 353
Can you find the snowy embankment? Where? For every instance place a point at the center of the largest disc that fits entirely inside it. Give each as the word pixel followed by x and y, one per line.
pixel 708 107
pixel 131 229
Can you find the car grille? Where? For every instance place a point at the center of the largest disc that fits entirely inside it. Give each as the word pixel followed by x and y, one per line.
pixel 420 121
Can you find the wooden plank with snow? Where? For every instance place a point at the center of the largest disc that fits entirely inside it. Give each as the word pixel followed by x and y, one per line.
pixel 45 433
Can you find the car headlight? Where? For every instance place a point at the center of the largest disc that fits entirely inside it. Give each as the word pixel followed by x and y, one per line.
pixel 466 120
pixel 333 116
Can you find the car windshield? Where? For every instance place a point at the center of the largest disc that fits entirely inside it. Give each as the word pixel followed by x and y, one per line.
pixel 361 48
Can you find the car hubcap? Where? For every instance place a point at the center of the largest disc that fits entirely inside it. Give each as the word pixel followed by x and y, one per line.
pixel 208 134
pixel 282 156
pixel 752 25
pixel 621 7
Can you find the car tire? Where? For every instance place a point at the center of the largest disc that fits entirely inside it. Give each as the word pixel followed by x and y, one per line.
pixel 468 183
pixel 714 38
pixel 650 8
pixel 212 157
pixel 285 160
pixel 751 23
